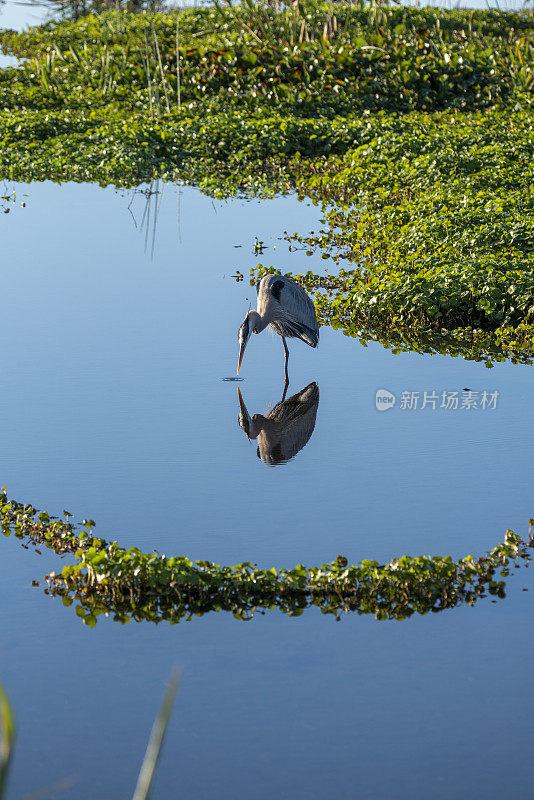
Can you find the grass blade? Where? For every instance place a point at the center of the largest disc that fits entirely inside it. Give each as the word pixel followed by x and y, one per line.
pixel 162 73
pixel 147 67
pixel 178 57
pixel 7 740
pixel 150 761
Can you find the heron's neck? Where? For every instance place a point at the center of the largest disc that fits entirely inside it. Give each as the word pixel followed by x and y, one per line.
pixel 257 424
pixel 258 322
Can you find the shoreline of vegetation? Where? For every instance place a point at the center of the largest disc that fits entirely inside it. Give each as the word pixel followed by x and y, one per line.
pixel 131 585
pixel 412 128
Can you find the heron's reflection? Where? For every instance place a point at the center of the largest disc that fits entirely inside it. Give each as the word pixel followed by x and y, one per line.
pixel 287 427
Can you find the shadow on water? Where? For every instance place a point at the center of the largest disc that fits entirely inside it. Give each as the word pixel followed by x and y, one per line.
pixel 286 429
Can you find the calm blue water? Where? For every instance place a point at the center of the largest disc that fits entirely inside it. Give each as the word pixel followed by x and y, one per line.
pixel 114 407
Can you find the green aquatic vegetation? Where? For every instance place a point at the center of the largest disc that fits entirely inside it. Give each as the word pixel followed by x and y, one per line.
pixel 412 128
pixel 439 216
pixel 310 59
pixel 131 585
pixel 514 344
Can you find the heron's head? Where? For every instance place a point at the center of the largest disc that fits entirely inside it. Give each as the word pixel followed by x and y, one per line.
pixel 244 420
pixel 247 423
pixel 244 333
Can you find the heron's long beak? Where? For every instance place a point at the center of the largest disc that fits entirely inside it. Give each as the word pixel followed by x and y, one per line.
pixel 242 402
pixel 241 354
pixel 244 419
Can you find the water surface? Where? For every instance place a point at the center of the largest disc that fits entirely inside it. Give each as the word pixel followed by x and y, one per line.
pixel 116 343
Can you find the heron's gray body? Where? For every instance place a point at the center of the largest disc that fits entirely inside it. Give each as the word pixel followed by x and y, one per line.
pixel 288 309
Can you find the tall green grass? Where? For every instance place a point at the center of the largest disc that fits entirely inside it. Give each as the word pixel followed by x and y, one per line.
pixel 7 740
pixel 150 761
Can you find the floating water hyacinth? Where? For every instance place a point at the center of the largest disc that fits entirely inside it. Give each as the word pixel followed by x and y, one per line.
pixel 128 584
pixel 411 127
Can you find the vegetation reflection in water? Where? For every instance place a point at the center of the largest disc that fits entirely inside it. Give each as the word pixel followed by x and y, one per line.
pixel 131 585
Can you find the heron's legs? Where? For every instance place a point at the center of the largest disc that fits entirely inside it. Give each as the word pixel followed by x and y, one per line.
pixel 286 351
pixel 286 384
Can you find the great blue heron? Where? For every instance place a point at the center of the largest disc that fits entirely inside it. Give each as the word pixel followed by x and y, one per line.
pixel 285 306
pixel 286 428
